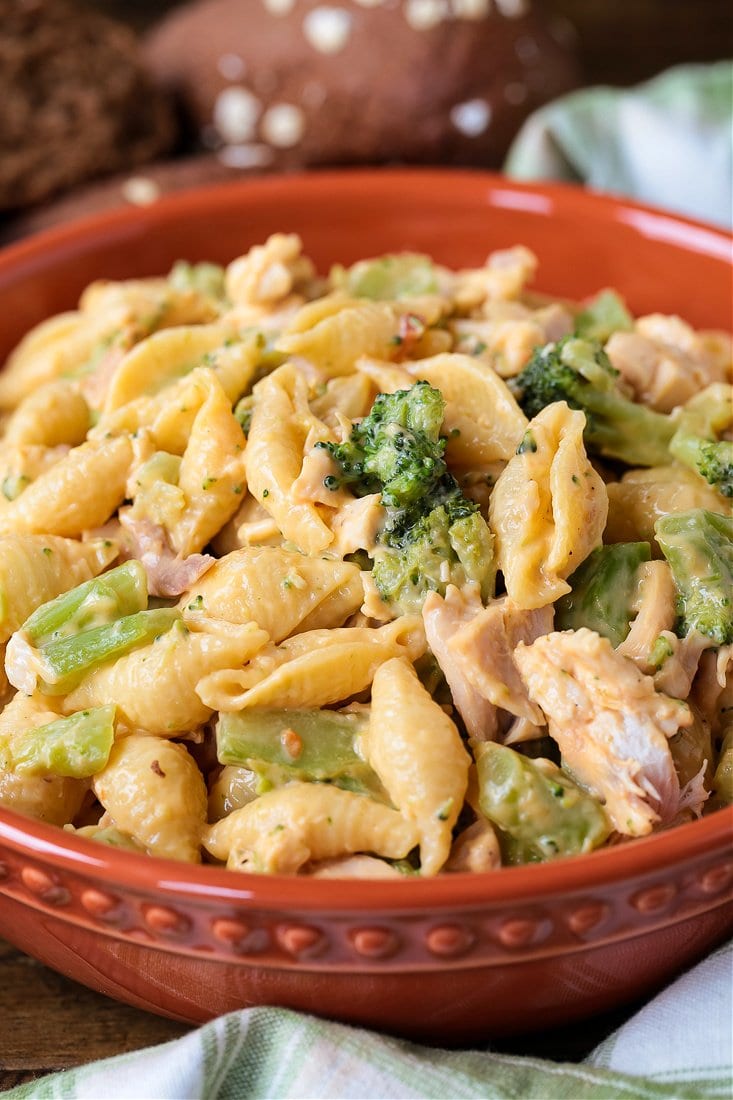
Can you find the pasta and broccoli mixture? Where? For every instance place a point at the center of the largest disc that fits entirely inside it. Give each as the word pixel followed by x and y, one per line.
pixel 401 571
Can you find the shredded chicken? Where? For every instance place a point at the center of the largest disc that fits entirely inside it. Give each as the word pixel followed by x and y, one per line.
pixel 251 526
pixel 652 629
pixel 483 651
pixel 94 386
pixel 503 276
pixel 666 362
pixel 357 523
pixel 476 849
pixel 509 333
pixel 678 670
pixel 268 273
pixel 373 608
pixel 310 483
pixel 168 574
pixel 358 866
pixel 443 618
pixel 712 690
pixel 655 607
pixel 610 723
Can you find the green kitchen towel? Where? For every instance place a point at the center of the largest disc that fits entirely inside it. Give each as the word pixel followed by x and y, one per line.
pixel 678 1046
pixel 668 142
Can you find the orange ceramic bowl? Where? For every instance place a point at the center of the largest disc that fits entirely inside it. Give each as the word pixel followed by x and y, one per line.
pixel 454 959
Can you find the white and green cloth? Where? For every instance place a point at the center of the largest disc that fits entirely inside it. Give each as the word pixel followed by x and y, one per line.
pixel 668 142
pixel 678 1046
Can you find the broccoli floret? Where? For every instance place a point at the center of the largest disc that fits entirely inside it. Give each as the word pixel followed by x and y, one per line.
pixel 433 535
pixel 695 442
pixel 713 461
pixel 441 548
pixel 580 373
pixel 603 591
pixel 402 275
pixel 205 277
pixel 699 548
pixel 397 449
pixel 602 316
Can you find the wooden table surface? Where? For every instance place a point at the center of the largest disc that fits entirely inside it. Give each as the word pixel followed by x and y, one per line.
pixel 49 1023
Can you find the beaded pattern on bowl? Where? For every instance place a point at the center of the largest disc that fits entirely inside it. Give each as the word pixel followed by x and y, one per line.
pixel 346 941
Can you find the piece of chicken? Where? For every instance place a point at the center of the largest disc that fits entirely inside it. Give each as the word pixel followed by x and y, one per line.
pixel 443 618
pixel 610 723
pixel 476 849
pixel 169 574
pixel 712 691
pixel 655 612
pixel 666 362
pixel 473 646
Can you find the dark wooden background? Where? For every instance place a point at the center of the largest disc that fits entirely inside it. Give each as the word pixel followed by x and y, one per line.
pixel 619 41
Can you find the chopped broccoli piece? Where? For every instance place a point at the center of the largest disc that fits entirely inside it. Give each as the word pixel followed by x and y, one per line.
pixel 603 315
pixel 433 535
pixel 603 590
pixel 77 746
pixel 311 744
pixel 204 277
pixel 121 591
pixel 713 461
pixel 396 448
pixel 699 548
pixel 538 810
pixel 434 552
pixel 661 651
pixel 580 373
pixel 695 442
pixel 108 835
pixel 402 275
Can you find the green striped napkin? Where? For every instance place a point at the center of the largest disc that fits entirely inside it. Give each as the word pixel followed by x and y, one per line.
pixel 667 142
pixel 678 1046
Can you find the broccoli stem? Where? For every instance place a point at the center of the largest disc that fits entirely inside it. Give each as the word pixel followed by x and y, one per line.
pixel 539 811
pixel 603 590
pixel 76 747
pixel 121 591
pixel 65 662
pixel 615 426
pixel 698 545
pixel 579 372
pixel 317 744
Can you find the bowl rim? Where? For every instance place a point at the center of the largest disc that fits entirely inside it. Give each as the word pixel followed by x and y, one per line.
pixel 670 849
pixel 501 191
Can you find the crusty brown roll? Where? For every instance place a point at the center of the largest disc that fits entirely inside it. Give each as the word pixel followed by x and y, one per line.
pixel 75 101
pixel 280 83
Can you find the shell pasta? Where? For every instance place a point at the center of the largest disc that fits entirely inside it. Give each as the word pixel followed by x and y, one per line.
pixel 399 571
